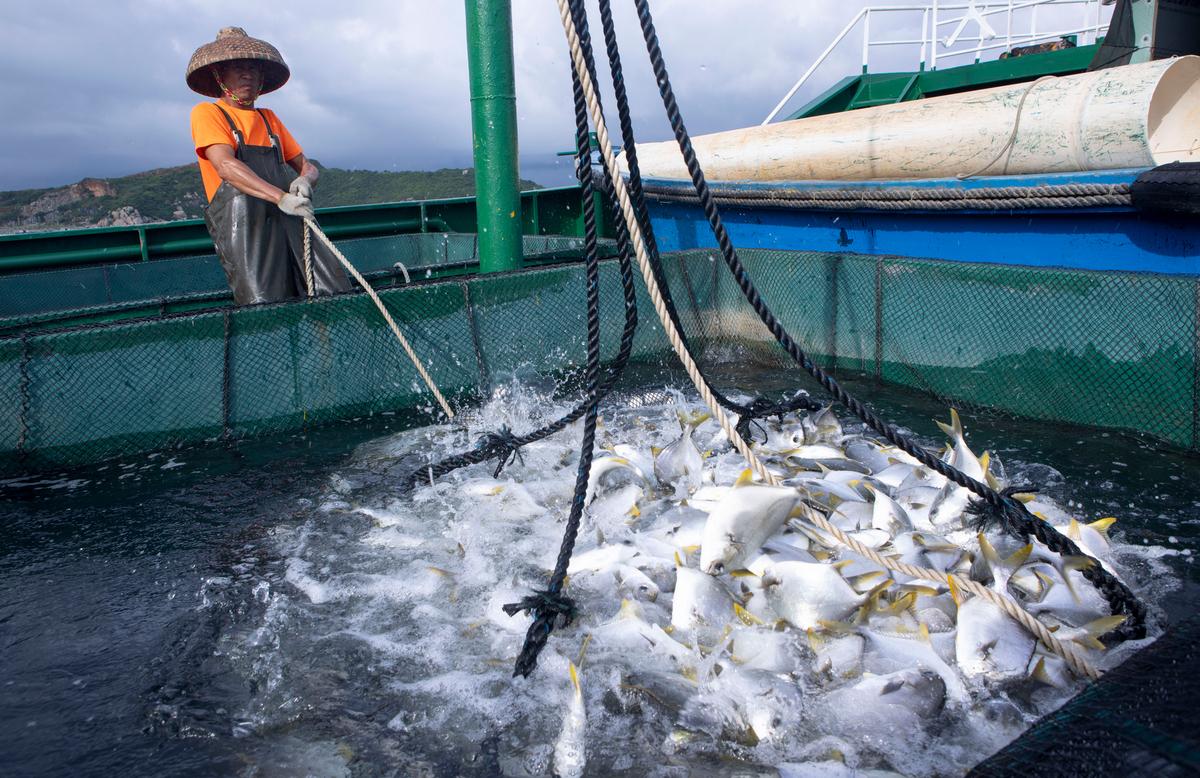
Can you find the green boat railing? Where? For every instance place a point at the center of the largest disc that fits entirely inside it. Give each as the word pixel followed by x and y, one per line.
pixel 557 211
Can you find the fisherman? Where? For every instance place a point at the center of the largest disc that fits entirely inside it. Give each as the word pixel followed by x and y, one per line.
pixel 258 182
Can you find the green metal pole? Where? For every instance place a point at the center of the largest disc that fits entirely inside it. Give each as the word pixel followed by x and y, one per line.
pixel 494 128
pixel 1143 12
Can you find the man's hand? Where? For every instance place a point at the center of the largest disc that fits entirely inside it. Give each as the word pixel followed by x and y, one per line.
pixel 294 205
pixel 302 187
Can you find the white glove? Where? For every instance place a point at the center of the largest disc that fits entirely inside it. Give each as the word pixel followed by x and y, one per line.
pixel 301 187
pixel 294 205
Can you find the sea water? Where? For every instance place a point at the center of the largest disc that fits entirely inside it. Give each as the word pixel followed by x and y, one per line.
pixel 288 608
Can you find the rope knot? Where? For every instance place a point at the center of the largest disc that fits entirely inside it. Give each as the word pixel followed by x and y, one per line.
pixel 1008 514
pixel 547 607
pixel 503 445
pixel 762 408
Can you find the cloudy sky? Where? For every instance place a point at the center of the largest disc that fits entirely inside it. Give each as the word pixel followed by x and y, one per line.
pixel 95 87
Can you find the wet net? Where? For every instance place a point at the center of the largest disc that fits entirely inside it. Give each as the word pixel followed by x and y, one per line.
pixel 1102 349
pixel 1138 720
pixel 136 373
pixel 84 385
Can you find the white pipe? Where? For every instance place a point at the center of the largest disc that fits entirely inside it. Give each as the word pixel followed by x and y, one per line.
pixel 866 47
pixel 1127 117
pixel 795 87
pixel 903 42
pixel 924 24
pixel 933 41
pixel 1008 28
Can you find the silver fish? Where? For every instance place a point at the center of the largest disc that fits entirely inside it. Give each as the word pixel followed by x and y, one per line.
pixel 819 456
pixel 988 568
pixel 926 549
pixel 837 655
pixel 630 631
pixel 916 648
pixel 612 472
pixel 740 524
pixel 570 755
pixel 744 705
pixel 1052 669
pixel 830 494
pixel 679 465
pixel 635 583
pixel 947 509
pixel 780 437
pixel 989 643
pixel 1092 539
pixel 806 594
pixel 876 701
pixel 761 647
pixel 822 427
pixel 699 601
pixel 869 453
pixel 889 516
pixel 1046 587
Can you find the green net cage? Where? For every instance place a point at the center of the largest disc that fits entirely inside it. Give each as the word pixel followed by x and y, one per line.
pixel 123 364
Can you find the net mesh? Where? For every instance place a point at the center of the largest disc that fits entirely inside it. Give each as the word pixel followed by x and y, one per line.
pixel 1138 720
pixel 1105 349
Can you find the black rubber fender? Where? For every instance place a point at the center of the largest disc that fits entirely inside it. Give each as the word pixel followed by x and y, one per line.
pixel 1171 188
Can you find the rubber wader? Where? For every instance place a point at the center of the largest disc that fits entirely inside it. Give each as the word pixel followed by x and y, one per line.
pixel 262 248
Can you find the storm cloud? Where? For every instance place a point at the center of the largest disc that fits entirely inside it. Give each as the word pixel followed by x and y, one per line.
pixel 97 89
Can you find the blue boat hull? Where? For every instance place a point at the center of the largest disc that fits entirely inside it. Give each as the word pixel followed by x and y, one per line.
pixel 1107 238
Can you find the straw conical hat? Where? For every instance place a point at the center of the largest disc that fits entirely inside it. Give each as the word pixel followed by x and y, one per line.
pixel 234 43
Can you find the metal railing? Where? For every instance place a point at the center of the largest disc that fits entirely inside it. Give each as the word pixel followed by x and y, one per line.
pixel 944 28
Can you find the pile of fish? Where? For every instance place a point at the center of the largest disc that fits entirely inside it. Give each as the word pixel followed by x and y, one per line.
pixel 716 625
pixel 751 623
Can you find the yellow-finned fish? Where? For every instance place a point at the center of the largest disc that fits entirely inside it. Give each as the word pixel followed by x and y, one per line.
pixel 948 508
pixel 570 755
pixel 805 594
pixel 989 643
pixel 699 600
pixel 680 466
pixel 741 523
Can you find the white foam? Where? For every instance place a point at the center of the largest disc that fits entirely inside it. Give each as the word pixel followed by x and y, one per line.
pixel 420 582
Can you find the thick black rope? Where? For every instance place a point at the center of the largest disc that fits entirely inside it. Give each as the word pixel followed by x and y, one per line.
pixel 1002 510
pixel 503 445
pixel 760 407
pixel 549 607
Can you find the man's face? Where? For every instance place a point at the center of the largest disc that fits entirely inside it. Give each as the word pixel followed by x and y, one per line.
pixel 243 77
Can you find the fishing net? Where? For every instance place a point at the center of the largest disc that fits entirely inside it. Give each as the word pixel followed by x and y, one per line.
pixel 1138 720
pixel 133 372
pixel 85 384
pixel 1103 349
pixel 124 376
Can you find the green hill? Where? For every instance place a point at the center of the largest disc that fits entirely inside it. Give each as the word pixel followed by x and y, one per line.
pixel 173 193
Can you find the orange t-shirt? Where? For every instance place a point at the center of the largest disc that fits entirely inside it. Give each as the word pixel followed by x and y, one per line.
pixel 209 127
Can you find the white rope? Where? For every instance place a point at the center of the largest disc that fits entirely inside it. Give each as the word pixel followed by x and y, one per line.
pixel 308 269
pixel 1076 662
pixel 412 355
pixel 1012 138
